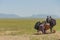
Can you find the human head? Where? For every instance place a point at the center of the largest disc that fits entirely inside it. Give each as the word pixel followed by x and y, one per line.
pixel 50 16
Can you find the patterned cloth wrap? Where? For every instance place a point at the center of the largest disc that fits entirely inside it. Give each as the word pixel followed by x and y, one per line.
pixel 47 26
pixel 44 26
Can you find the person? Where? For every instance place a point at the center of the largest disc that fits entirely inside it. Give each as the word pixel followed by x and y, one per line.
pixel 51 18
pixel 47 19
pixel 37 24
pixel 52 23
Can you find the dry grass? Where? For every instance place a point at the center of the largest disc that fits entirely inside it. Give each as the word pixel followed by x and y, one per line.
pixel 54 36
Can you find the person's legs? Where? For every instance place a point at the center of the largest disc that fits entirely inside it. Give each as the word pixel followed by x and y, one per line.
pixel 51 29
pixel 44 31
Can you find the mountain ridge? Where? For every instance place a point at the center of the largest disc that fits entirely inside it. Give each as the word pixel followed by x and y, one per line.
pixel 2 15
pixel 8 15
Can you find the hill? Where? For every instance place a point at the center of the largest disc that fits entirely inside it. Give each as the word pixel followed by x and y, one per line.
pixel 2 15
pixel 8 15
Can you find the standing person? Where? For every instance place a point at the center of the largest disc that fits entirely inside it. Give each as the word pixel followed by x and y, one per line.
pixel 51 23
pixel 47 19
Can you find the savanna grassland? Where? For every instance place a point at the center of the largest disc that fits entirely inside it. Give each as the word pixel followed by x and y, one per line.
pixel 23 29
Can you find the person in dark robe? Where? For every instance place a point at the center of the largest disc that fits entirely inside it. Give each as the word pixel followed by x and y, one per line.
pixel 51 21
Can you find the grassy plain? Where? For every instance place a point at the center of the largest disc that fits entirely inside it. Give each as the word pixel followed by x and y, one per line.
pixel 26 27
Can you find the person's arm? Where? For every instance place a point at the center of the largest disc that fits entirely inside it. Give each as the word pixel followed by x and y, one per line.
pixel 47 19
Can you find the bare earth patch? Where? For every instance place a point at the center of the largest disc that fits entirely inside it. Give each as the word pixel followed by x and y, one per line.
pixel 53 36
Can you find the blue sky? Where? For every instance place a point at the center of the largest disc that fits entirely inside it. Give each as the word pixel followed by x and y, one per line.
pixel 26 8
